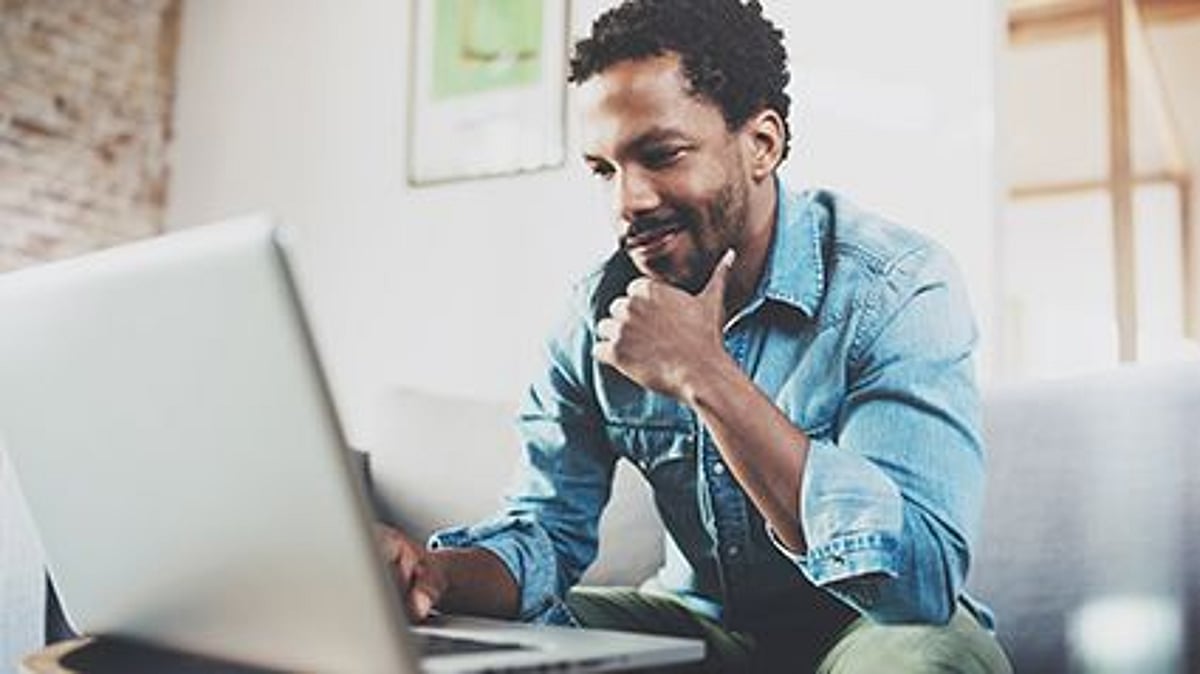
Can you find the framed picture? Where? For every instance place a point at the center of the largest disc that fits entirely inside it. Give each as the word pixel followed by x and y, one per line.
pixel 488 88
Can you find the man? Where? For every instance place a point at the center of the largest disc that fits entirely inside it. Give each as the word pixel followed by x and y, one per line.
pixel 793 377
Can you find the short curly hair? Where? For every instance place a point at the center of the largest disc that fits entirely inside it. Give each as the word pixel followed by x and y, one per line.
pixel 732 55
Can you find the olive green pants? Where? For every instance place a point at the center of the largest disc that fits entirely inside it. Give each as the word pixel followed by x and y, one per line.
pixel 864 647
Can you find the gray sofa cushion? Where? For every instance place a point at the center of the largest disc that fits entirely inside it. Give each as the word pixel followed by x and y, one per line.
pixel 1093 492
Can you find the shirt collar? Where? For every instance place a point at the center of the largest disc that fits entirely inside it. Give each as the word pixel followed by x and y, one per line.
pixel 795 272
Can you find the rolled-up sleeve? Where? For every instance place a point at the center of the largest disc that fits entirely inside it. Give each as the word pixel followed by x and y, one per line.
pixel 547 535
pixel 891 503
pixel 523 547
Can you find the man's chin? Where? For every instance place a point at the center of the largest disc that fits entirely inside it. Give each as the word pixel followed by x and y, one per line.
pixel 688 284
pixel 671 274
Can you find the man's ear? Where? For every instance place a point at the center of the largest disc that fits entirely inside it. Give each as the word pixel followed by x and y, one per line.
pixel 764 132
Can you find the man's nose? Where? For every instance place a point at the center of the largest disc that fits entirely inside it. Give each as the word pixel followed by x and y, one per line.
pixel 635 194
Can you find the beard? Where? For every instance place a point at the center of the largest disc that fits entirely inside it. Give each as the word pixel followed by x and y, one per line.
pixel 712 230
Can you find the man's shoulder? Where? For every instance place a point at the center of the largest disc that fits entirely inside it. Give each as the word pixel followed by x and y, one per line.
pixel 872 263
pixel 872 241
pixel 874 267
pixel 868 257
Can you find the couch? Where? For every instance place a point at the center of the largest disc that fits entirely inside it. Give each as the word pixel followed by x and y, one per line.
pixel 1092 515
pixel 1091 530
pixel 1091 521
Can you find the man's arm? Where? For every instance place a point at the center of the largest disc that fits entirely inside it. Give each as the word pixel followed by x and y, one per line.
pixel 884 513
pixel 521 562
pixel 763 449
pixel 670 341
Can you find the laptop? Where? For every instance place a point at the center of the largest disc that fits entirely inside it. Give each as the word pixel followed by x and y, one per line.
pixel 164 409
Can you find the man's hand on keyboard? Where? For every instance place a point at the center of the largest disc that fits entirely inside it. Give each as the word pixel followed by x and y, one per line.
pixel 419 577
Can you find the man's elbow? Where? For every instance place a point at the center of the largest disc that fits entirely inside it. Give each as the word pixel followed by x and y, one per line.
pixel 884 600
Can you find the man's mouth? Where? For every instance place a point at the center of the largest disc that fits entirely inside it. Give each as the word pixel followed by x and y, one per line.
pixel 647 238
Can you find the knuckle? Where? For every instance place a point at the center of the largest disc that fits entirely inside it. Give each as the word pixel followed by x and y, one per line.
pixel 635 307
pixel 617 330
pixel 620 350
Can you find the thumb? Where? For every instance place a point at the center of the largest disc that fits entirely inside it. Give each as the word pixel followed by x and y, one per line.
pixel 714 291
pixel 421 601
pixel 428 584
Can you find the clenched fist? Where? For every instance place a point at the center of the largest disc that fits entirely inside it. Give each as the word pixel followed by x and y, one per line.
pixel 661 336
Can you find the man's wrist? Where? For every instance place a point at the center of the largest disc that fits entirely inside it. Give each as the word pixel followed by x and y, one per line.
pixel 474 580
pixel 449 564
pixel 709 381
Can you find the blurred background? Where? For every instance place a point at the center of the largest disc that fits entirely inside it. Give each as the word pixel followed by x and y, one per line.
pixel 1047 143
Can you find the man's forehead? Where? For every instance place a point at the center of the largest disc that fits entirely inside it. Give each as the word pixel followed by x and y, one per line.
pixel 635 79
pixel 635 102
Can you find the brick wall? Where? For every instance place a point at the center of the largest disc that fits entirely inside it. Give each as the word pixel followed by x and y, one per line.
pixel 85 97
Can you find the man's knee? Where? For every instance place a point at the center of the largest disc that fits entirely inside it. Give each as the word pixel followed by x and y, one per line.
pixel 623 608
pixel 960 647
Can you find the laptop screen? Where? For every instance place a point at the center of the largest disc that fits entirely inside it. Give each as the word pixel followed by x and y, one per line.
pixel 166 414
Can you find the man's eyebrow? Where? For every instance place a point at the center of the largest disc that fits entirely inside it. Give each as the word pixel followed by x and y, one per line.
pixel 650 137
pixel 657 135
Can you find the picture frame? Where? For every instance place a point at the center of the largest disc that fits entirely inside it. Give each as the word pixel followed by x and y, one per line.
pixel 488 90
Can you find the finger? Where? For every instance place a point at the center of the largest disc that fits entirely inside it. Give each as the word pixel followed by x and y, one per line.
pixel 424 595
pixel 607 329
pixel 406 566
pixel 639 287
pixel 388 543
pixel 603 352
pixel 619 308
pixel 714 291
pixel 420 604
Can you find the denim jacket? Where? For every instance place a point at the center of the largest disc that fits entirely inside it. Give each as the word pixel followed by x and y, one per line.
pixel 861 333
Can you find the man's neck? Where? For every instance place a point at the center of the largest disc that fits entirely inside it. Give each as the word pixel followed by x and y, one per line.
pixel 752 254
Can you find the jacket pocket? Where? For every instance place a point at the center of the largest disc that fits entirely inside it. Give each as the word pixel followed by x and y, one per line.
pixel 650 446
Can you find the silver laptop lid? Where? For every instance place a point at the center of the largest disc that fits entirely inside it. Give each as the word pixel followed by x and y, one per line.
pixel 175 441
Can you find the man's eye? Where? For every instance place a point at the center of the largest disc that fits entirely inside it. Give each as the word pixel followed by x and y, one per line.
pixel 661 157
pixel 601 171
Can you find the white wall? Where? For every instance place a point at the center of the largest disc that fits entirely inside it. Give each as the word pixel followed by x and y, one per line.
pixel 298 107
pixel 895 105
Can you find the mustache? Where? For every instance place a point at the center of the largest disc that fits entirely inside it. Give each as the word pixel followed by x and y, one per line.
pixel 652 223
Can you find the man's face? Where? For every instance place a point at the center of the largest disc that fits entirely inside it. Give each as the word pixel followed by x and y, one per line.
pixel 678 177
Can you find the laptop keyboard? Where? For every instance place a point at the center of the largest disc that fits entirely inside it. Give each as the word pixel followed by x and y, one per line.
pixel 436 644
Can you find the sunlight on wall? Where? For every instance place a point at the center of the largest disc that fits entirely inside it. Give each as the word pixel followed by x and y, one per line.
pixel 1058 285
